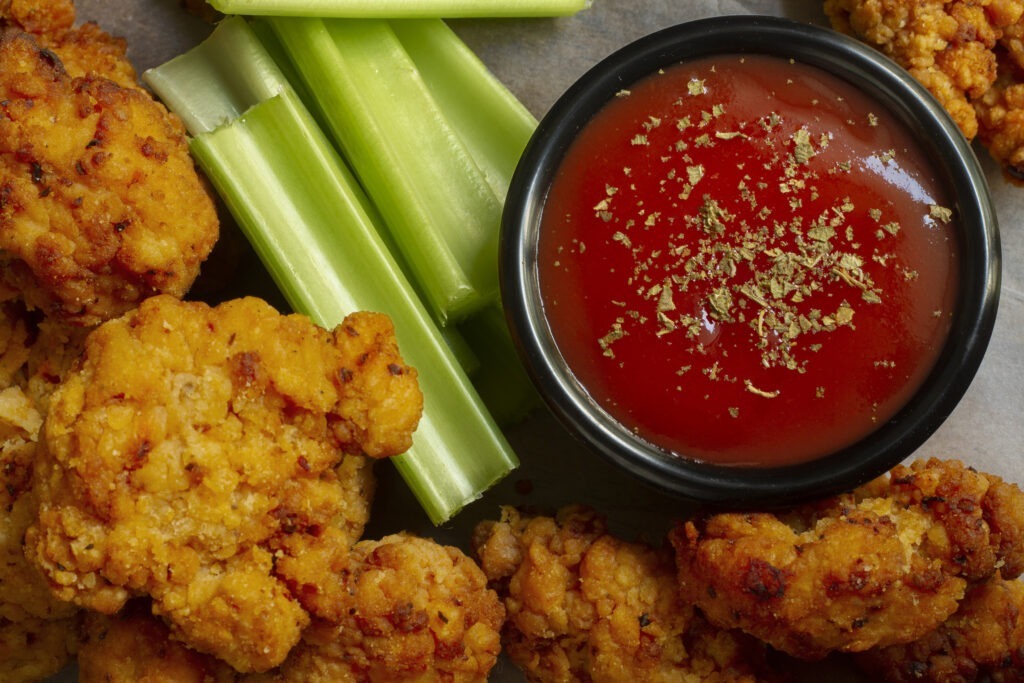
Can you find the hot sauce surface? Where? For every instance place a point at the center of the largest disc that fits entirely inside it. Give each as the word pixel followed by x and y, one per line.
pixel 745 260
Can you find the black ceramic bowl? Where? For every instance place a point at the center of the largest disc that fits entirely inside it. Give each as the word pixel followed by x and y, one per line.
pixel 893 88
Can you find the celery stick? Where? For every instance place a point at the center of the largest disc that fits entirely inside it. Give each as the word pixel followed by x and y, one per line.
pixel 306 218
pixel 500 378
pixel 438 205
pixel 494 125
pixel 402 8
pixel 465 355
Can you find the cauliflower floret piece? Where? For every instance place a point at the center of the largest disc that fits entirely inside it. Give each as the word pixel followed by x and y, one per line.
pixel 883 565
pixel 982 641
pixel 36 629
pixel 100 201
pixel 199 453
pixel 585 605
pixel 411 610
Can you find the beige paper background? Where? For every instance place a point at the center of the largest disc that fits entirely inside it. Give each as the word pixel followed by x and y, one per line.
pixel 538 59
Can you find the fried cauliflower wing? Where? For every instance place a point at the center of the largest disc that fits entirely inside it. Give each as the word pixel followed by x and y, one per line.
pixel 882 566
pixel 36 629
pixel 967 53
pixel 947 45
pixel 133 646
pixel 100 202
pixel 83 50
pixel 982 641
pixel 39 16
pixel 977 518
pixel 1001 117
pixel 24 594
pixel 195 449
pixel 33 649
pixel 585 606
pixel 412 610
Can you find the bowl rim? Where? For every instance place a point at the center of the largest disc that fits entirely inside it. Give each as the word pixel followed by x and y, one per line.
pixel 974 313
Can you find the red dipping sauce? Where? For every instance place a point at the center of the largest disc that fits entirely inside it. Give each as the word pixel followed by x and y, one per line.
pixel 744 260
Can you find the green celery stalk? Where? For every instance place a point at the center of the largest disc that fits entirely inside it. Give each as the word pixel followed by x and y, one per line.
pixel 437 204
pixel 494 128
pixel 463 353
pixel 402 8
pixel 500 379
pixel 492 122
pixel 306 217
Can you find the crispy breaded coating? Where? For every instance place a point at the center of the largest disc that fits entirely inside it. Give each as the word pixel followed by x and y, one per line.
pixel 947 45
pixel 34 649
pixel 36 629
pixel 1001 116
pixel 982 641
pixel 884 565
pixel 35 354
pixel 89 51
pixel 413 610
pixel 968 53
pixel 83 50
pixel 197 447
pixel 100 202
pixel 977 518
pixel 586 606
pixel 39 16
pixel 24 593
pixel 136 647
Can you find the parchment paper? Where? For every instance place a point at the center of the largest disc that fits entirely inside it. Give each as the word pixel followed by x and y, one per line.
pixel 538 59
